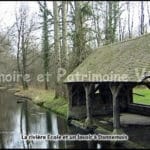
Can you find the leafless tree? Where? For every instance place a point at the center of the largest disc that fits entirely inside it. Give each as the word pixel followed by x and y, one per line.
pixel 24 28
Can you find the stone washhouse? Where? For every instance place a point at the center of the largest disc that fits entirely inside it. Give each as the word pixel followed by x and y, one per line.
pixel 102 85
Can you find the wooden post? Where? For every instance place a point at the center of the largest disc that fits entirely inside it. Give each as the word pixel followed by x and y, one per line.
pixel 116 113
pixel 88 120
pixel 116 110
pixel 69 86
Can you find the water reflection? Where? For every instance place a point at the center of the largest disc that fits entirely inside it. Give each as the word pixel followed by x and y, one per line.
pixel 54 130
pixel 9 121
pixel 19 119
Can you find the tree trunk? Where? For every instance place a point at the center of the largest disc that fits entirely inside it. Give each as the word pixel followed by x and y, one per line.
pixel 23 36
pixel 18 54
pixel 142 17
pixel 115 10
pixel 24 58
pixel 56 46
pixel 63 55
pixel 148 12
pixel 112 12
pixel 129 26
pixel 108 23
pixel 64 35
pixel 76 36
pixel 45 45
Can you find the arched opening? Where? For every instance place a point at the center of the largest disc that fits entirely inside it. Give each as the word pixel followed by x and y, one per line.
pixel 78 95
pixel 102 100
pixel 141 95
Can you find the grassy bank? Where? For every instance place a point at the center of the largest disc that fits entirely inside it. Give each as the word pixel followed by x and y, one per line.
pixel 60 106
pixel 46 99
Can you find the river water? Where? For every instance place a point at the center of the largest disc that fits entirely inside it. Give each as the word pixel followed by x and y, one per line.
pixel 26 118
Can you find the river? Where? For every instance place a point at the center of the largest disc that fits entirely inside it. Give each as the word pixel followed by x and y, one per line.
pixel 26 118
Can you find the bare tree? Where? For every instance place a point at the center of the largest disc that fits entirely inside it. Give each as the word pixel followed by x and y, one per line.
pixel 25 28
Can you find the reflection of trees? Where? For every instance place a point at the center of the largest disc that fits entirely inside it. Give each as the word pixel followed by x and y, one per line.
pixel 34 123
pixel 26 120
pixel 21 119
pixel 8 111
pixel 24 112
pixel 54 129
pixel 49 126
pixel 2 145
pixel 8 117
pixel 62 129
pixel 24 117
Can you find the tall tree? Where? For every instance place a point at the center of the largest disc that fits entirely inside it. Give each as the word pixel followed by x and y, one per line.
pixel 122 25
pixel 98 9
pixel 112 17
pixel 108 30
pixel 129 13
pixel 24 55
pixel 148 12
pixel 78 33
pixel 81 12
pixel 56 46
pixel 63 49
pixel 21 48
pixel 142 18
pixel 64 35
pixel 24 27
pixel 45 42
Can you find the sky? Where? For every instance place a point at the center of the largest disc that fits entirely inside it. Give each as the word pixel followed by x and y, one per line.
pixel 8 8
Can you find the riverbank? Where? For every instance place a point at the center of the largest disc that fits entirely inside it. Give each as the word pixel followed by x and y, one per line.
pixel 102 126
pixel 45 99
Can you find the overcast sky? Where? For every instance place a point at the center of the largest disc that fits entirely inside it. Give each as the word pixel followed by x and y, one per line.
pixel 8 8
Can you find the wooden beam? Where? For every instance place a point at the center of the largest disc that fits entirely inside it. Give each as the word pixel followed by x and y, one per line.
pixel 139 94
pixel 88 89
pixel 115 88
pixel 69 87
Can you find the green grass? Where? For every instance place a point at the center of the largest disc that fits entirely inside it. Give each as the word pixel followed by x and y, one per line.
pixel 145 99
pixel 60 105
pixel 38 96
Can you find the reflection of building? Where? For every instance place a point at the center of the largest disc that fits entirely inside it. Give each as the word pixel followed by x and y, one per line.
pixel 91 98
